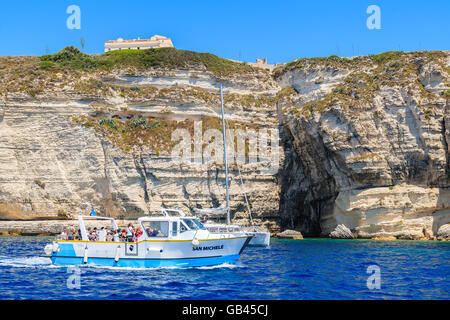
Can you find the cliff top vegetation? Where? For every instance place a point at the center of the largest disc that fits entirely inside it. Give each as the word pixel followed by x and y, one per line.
pixel 167 58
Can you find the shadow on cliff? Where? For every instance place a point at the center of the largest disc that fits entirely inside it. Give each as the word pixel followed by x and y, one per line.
pixel 308 191
pixel 2 114
pixel 442 216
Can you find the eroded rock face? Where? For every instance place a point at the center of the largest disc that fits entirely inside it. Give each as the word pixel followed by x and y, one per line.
pixel 444 232
pixel 370 151
pixel 58 161
pixel 402 211
pixel 364 143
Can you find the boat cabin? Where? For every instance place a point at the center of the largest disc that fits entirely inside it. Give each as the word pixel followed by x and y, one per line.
pixel 172 224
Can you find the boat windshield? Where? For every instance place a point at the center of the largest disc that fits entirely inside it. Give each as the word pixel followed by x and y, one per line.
pixel 194 224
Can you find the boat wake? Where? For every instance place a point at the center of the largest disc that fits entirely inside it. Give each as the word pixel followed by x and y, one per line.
pixel 35 262
pixel 220 266
pixel 25 262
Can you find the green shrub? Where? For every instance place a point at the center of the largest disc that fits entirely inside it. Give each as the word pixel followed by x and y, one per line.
pixel 72 58
pixel 108 122
pixel 137 122
pixel 169 58
pixel 382 58
pixel 66 54
pixel 34 92
pixel 395 65
pixel 40 183
pixel 46 65
pixel 172 58
pixel 144 123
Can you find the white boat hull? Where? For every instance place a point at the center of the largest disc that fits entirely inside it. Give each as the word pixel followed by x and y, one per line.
pixel 150 253
pixel 260 239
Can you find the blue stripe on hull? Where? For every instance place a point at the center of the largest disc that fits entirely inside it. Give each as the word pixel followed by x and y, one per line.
pixel 147 263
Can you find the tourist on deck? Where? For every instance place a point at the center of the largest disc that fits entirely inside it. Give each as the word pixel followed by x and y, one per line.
pixel 102 234
pixel 138 233
pixel 64 235
pixel 133 230
pixel 92 234
pixel 116 236
pixel 74 234
pixel 109 236
pixel 123 235
pixel 130 233
pixel 95 234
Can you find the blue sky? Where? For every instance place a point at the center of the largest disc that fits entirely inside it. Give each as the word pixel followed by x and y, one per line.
pixel 244 30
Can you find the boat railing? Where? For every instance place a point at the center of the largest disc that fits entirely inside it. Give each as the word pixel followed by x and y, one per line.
pixel 172 212
pixel 84 234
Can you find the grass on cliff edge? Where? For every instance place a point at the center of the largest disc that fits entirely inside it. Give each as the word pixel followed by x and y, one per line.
pixel 382 59
pixel 169 58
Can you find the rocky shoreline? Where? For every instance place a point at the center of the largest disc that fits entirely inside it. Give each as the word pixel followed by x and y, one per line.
pixel 54 227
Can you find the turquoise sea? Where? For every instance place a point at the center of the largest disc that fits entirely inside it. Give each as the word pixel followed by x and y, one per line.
pixel 289 270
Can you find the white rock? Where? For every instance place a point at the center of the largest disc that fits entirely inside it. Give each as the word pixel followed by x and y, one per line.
pixel 444 231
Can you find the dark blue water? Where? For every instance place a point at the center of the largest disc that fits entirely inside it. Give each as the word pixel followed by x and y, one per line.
pixel 308 269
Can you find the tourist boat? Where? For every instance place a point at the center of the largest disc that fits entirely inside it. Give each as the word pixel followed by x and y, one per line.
pixel 167 241
pixel 260 236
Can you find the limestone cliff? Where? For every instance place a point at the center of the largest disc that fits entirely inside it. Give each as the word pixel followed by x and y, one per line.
pixel 78 132
pixel 364 141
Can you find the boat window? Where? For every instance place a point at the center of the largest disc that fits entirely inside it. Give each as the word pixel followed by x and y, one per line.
pixel 156 228
pixel 174 229
pixel 190 224
pixel 194 224
pixel 199 224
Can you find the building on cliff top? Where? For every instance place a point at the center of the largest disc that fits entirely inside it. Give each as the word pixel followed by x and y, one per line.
pixel 262 61
pixel 154 42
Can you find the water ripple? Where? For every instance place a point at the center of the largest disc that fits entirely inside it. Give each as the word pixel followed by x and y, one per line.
pixel 308 269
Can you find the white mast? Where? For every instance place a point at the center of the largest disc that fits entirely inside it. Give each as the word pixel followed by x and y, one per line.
pixel 225 156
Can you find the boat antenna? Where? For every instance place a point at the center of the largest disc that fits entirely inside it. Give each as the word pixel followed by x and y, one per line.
pixel 225 155
pixel 242 182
